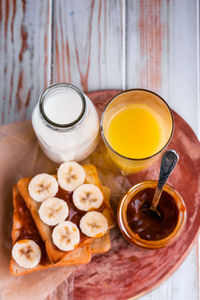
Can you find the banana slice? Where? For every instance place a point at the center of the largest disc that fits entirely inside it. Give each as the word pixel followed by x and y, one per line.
pixel 87 197
pixel 94 224
pixel 53 211
pixel 70 175
pixel 26 253
pixel 42 186
pixel 66 236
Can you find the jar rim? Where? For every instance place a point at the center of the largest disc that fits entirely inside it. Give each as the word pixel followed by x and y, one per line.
pixel 57 126
pixel 133 237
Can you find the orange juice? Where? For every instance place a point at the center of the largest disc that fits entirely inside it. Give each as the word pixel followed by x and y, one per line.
pixel 135 131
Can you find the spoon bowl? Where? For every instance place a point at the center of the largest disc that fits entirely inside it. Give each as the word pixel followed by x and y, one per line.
pixel 154 213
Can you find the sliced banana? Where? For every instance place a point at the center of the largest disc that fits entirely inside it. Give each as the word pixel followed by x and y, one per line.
pixel 42 186
pixel 87 197
pixel 26 253
pixel 53 211
pixel 66 236
pixel 94 224
pixel 70 175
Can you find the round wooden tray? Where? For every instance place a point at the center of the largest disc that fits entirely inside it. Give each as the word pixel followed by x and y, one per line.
pixel 126 270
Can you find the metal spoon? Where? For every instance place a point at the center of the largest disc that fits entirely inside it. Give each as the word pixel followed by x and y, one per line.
pixel 168 162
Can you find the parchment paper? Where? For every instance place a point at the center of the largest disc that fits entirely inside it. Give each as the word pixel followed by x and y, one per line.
pixel 21 156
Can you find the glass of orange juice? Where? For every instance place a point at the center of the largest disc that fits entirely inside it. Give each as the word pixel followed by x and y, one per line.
pixel 136 126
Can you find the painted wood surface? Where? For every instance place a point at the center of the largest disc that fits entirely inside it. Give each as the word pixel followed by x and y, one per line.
pixel 99 44
pixel 162 47
pixel 88 43
pixel 24 56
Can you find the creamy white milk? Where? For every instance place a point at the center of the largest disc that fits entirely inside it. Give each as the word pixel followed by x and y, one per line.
pixel 64 105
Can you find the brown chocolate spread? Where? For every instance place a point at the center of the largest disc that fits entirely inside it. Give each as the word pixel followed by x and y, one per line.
pixel 74 213
pixel 28 230
pixel 149 227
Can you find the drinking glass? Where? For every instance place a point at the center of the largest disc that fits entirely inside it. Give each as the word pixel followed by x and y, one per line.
pixel 154 102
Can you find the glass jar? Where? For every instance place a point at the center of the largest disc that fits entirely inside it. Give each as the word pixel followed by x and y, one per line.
pixel 134 237
pixel 66 123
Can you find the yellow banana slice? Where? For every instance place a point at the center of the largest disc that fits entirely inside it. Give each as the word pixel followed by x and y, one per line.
pixel 26 253
pixel 94 224
pixel 66 236
pixel 42 186
pixel 87 197
pixel 53 211
pixel 70 175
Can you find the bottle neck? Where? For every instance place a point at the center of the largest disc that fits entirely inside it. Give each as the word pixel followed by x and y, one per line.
pixel 54 91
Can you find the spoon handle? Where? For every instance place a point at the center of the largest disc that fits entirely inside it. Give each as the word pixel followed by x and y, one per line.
pixel 168 162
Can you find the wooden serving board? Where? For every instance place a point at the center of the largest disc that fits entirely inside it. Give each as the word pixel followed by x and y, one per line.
pixel 126 270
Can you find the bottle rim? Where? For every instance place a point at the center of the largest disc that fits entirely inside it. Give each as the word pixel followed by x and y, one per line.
pixel 57 126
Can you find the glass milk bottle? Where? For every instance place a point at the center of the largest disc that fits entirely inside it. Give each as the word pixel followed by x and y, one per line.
pixel 66 123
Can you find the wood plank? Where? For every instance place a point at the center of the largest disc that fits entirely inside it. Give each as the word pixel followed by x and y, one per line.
pixel 88 43
pixel 24 57
pixel 162 52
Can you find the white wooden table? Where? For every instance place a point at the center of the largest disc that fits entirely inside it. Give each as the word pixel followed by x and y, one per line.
pixel 104 44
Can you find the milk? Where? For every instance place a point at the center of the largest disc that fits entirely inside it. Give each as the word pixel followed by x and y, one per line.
pixel 62 105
